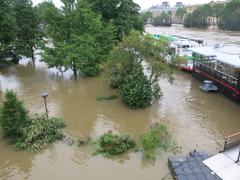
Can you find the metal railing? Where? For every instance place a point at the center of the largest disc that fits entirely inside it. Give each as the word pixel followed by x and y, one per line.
pixel 230 80
pixel 232 141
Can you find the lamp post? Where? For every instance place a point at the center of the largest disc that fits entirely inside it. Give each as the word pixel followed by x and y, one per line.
pixel 45 95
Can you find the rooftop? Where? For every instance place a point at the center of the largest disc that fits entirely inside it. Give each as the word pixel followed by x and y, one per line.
pixel 228 54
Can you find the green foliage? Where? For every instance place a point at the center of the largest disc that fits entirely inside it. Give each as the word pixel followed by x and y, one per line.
pixel 14 116
pixel 136 89
pixel 146 16
pixel 155 139
pixel 112 144
pixel 199 17
pixel 20 32
pixel 58 122
pixel 124 14
pixel 229 15
pixel 106 98
pixel 39 133
pixel 125 69
pixel 176 61
pixel 165 19
pixel 7 33
pixel 181 12
pixel 28 34
pixel 81 40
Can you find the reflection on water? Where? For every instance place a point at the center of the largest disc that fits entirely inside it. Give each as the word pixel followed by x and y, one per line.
pixel 192 116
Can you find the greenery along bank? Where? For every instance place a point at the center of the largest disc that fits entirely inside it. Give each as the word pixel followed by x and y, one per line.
pixel 26 132
pixel 227 16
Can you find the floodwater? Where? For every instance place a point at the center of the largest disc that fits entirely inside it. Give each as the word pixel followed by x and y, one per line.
pixel 195 119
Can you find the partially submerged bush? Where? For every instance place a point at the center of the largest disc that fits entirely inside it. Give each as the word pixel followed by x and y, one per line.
pixel 14 116
pixel 113 144
pixel 155 139
pixel 58 122
pixel 136 89
pixel 39 133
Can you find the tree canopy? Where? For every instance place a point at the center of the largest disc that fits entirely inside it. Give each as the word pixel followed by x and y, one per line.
pixel 124 14
pixel 80 39
pixel 135 66
pixel 230 16
pixel 165 19
pixel 20 32
pixel 199 17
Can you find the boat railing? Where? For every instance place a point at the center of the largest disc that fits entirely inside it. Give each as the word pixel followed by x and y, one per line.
pixel 230 80
pixel 232 141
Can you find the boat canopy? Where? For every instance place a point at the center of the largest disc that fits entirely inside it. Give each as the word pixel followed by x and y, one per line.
pixel 228 54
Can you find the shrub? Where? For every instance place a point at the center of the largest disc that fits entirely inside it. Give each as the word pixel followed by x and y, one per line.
pixel 58 122
pixel 14 116
pixel 155 139
pixel 112 144
pixel 39 133
pixel 136 89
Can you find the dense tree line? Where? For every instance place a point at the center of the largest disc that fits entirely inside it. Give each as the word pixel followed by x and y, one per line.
pixel 227 16
pixel 199 17
pixel 19 33
pixel 164 19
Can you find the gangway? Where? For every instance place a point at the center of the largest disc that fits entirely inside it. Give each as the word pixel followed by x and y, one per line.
pixel 226 164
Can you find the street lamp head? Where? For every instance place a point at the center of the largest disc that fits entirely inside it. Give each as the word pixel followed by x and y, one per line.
pixel 44 95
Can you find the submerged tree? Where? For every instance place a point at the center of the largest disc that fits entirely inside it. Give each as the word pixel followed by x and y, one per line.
pixel 20 32
pixel 80 40
pixel 7 33
pixel 14 116
pixel 28 32
pixel 135 67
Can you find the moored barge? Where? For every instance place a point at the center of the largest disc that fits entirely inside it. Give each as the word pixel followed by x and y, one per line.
pixel 220 64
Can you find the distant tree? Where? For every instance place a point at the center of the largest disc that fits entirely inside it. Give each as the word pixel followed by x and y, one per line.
pixel 124 14
pixel 146 16
pixel 188 21
pixel 165 19
pixel 181 12
pixel 13 117
pixel 81 41
pixel 230 16
pixel 199 17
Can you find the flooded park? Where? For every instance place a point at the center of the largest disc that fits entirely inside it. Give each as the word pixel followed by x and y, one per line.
pixel 194 118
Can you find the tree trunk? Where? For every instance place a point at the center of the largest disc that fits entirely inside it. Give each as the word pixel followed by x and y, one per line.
pixel 32 56
pixel 74 69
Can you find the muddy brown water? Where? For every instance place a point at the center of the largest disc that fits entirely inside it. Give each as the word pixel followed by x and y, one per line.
pixel 193 117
